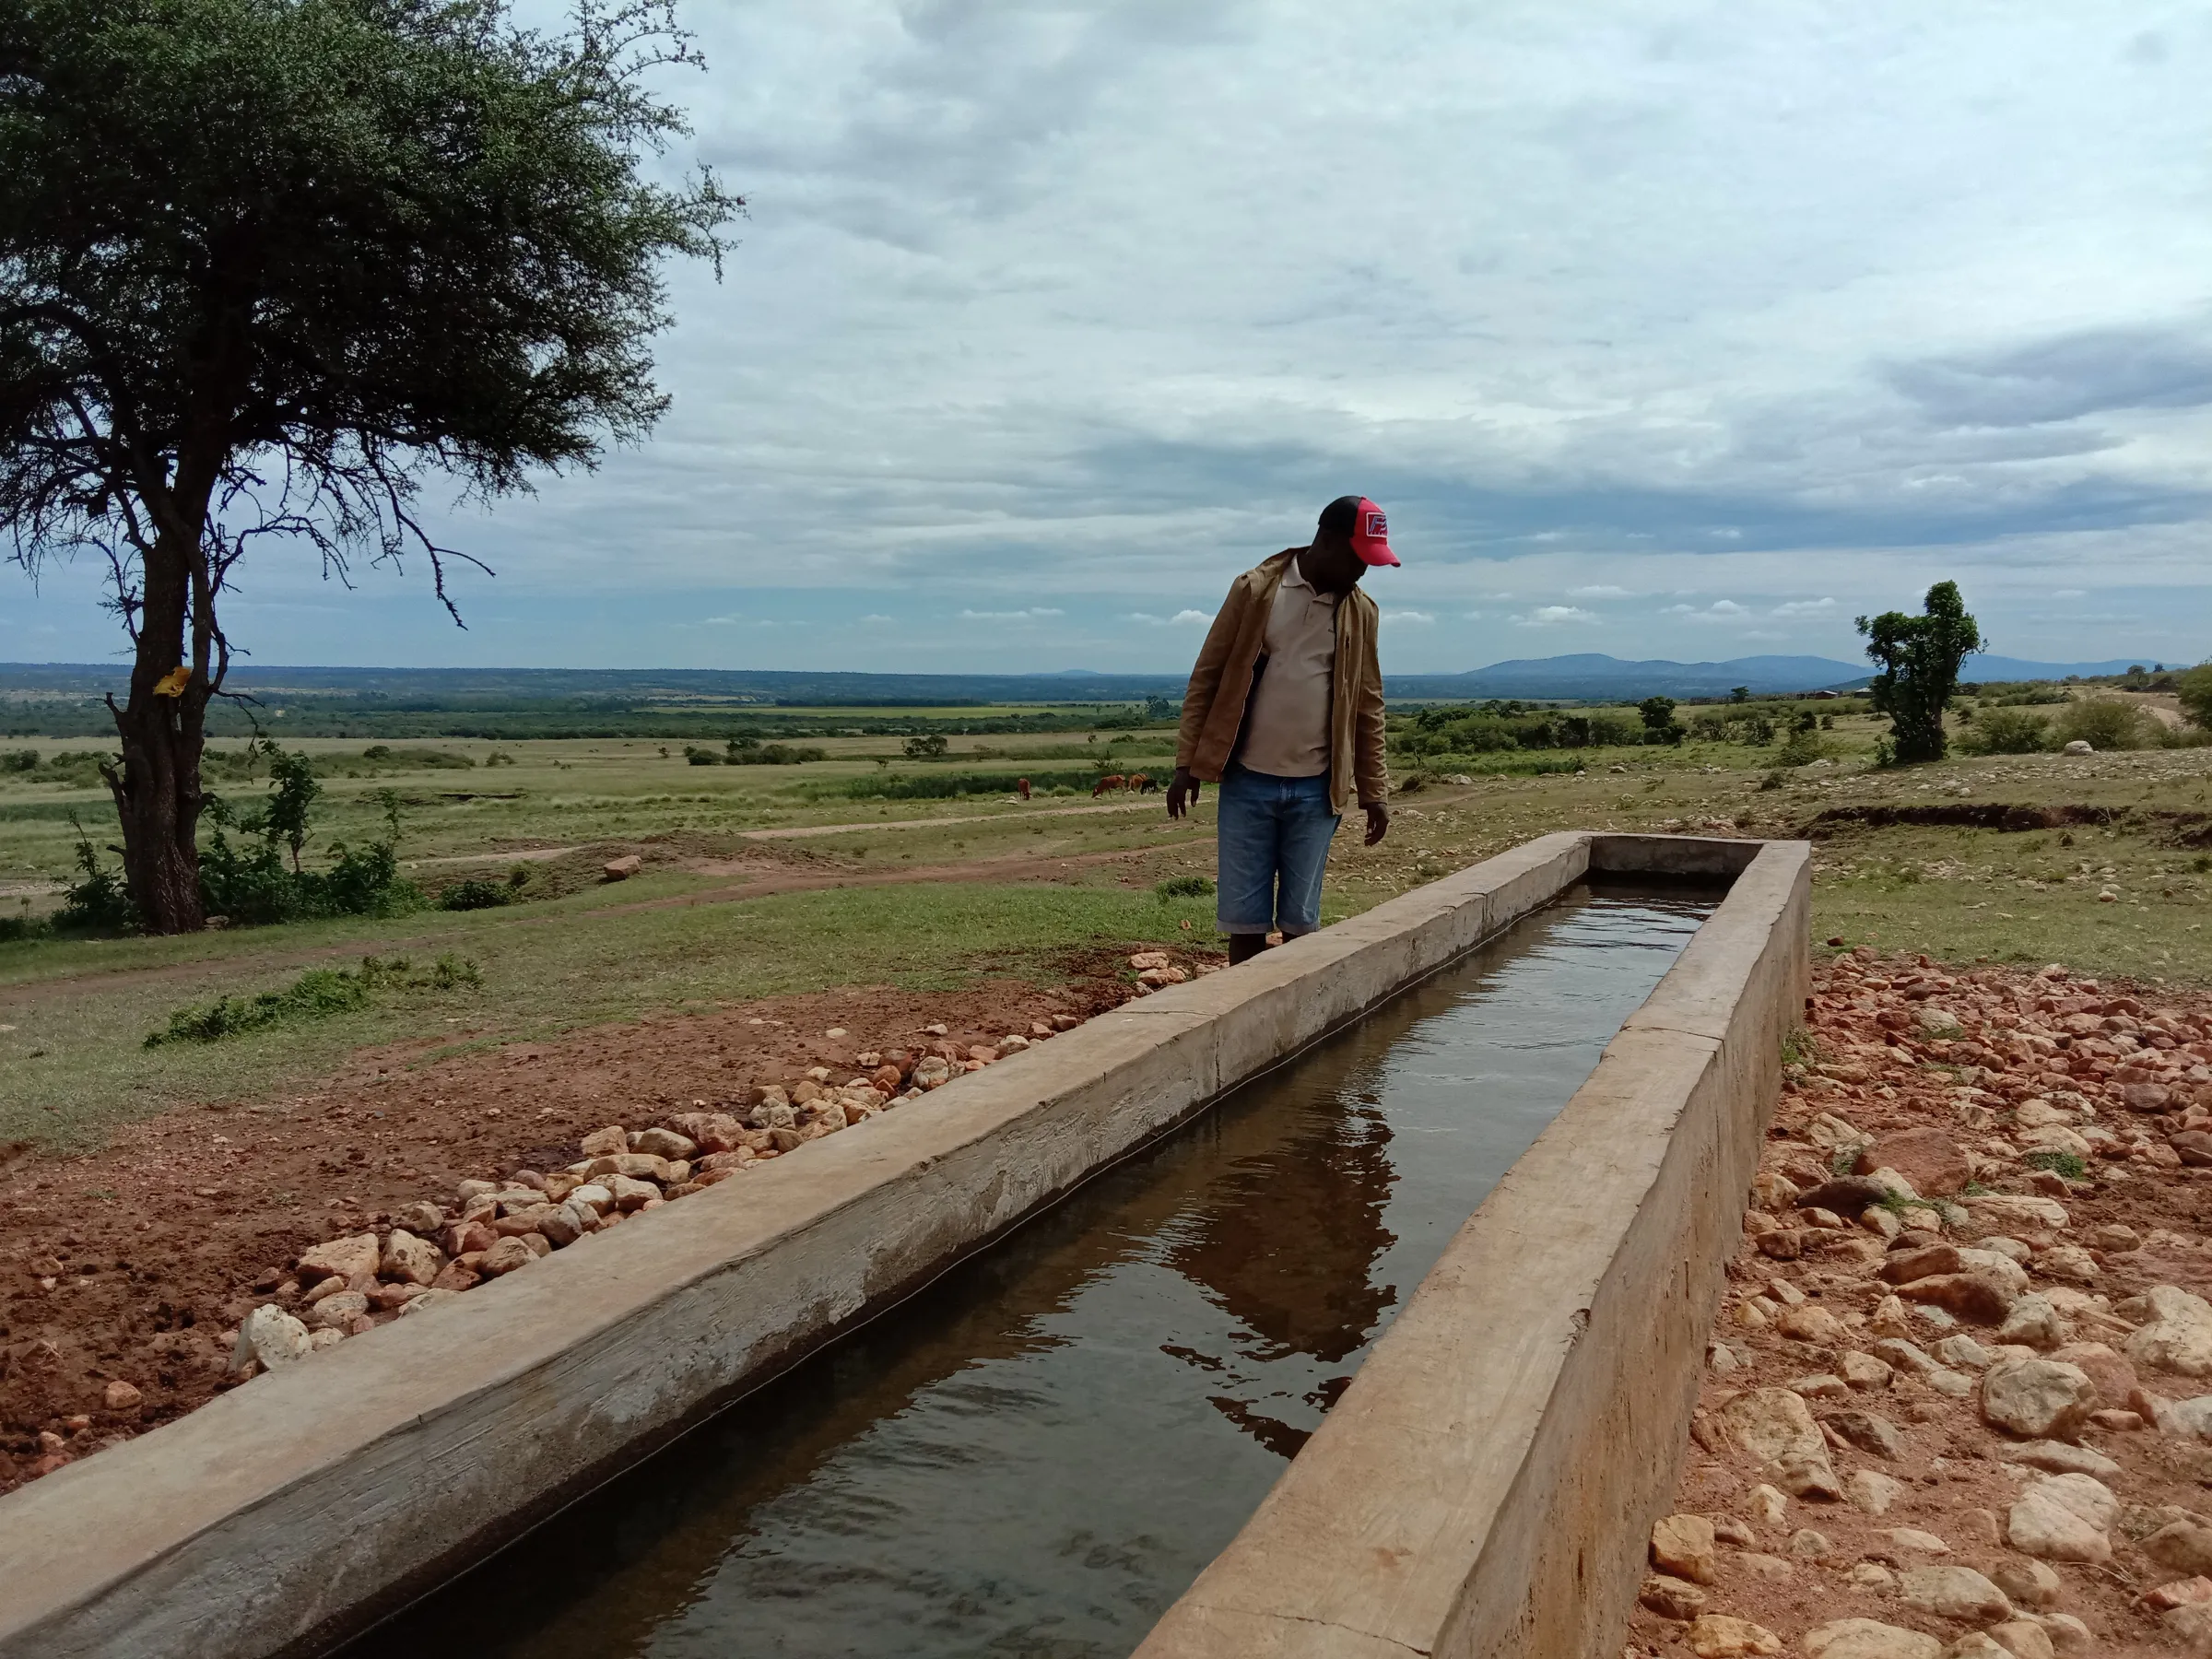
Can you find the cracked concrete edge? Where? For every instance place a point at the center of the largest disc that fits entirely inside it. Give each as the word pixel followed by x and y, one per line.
pixel 288 1512
pixel 1486 1486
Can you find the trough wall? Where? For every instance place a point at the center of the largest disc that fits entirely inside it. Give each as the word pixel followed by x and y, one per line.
pixel 292 1511
pixel 1486 1486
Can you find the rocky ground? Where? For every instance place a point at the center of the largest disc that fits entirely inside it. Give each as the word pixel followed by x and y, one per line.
pixel 207 1244
pixel 1956 1400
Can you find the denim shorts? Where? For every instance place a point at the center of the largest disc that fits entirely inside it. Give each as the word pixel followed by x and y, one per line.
pixel 1273 836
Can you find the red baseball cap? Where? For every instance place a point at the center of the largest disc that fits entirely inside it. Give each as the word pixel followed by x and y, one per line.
pixel 1371 535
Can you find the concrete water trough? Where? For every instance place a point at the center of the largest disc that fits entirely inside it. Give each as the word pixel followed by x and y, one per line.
pixel 1483 1486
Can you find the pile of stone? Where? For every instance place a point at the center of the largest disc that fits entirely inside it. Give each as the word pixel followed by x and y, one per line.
pixel 430 1253
pixel 1924 1284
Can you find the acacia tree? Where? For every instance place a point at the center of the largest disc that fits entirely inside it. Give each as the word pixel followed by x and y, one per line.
pixel 1919 658
pixel 266 264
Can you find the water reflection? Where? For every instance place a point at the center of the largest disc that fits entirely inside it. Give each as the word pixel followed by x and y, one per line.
pixel 1035 1456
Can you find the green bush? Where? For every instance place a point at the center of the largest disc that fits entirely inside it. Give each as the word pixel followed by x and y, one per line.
pixel 315 995
pixel 254 884
pixel 948 785
pixel 2006 731
pixel 2106 722
pixel 19 760
pixel 1184 887
pixel 476 892
pixel 100 899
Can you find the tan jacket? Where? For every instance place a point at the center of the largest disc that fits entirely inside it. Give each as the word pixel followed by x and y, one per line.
pixel 1213 709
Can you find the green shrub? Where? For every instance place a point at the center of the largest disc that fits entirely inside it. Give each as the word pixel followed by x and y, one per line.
pixel 696 756
pixel 2006 731
pixel 476 892
pixel 254 885
pixel 19 760
pixel 947 785
pixel 100 899
pixel 1184 887
pixel 2066 1164
pixel 2106 722
pixel 315 995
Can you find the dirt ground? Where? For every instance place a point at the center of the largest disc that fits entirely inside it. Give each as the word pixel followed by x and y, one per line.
pixel 2112 1070
pixel 135 1264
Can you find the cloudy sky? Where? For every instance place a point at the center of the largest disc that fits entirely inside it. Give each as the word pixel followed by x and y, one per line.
pixel 1660 329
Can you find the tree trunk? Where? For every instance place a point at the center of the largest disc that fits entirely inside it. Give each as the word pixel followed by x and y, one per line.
pixel 157 789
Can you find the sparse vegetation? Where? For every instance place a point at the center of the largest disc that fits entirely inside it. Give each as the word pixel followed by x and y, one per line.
pixel 315 995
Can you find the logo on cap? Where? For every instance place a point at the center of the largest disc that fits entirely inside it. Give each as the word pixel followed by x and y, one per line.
pixel 1377 525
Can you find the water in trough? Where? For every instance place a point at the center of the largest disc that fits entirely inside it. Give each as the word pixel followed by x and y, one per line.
pixel 1037 1455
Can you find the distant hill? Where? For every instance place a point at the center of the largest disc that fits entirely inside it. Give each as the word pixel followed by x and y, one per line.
pixel 1987 667
pixel 1592 675
pixel 38 697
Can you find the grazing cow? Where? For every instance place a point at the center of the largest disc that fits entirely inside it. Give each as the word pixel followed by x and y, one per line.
pixel 1111 781
pixel 1021 787
pixel 1141 783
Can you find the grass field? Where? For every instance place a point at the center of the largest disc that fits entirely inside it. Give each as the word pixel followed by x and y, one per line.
pixel 931 893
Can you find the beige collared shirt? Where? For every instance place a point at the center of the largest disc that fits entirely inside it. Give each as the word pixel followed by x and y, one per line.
pixel 1287 729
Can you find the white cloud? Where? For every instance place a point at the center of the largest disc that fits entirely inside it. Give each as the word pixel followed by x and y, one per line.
pixel 1410 615
pixel 1550 616
pixel 1726 607
pixel 1181 619
pixel 1805 608
pixel 2069 594
pixel 1789 301
pixel 1010 616
pixel 876 617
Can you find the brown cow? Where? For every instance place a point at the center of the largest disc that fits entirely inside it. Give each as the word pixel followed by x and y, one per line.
pixel 1142 783
pixel 1021 787
pixel 1111 781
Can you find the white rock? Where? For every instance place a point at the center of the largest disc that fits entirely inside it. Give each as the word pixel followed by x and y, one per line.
pixel 1871 1491
pixel 2015 1209
pixel 1775 1428
pixel 2176 1333
pixel 2042 1399
pixel 2000 1267
pixel 1867 1639
pixel 2189 1628
pixel 2184 1419
pixel 2068 1635
pixel 2034 1322
pixel 2061 1459
pixel 2038 1525
pixel 1958 1593
pixel 1766 1503
pixel 428 1299
pixel 1919 1543
pixel 334 1312
pixel 271 1336
pixel 1963 1351
pixel 2084 1494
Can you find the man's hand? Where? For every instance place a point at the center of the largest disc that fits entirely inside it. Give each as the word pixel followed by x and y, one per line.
pixel 1183 793
pixel 1378 822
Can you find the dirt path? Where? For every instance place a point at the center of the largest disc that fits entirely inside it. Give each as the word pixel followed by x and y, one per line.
pixel 2054 1120
pixel 806 831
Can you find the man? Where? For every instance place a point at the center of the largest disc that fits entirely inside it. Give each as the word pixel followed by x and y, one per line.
pixel 1285 712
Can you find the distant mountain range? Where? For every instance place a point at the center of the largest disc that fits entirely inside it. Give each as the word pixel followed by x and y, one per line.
pixel 1585 674
pixel 1591 674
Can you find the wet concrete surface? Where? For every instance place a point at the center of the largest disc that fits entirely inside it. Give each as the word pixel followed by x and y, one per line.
pixel 1036 1455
